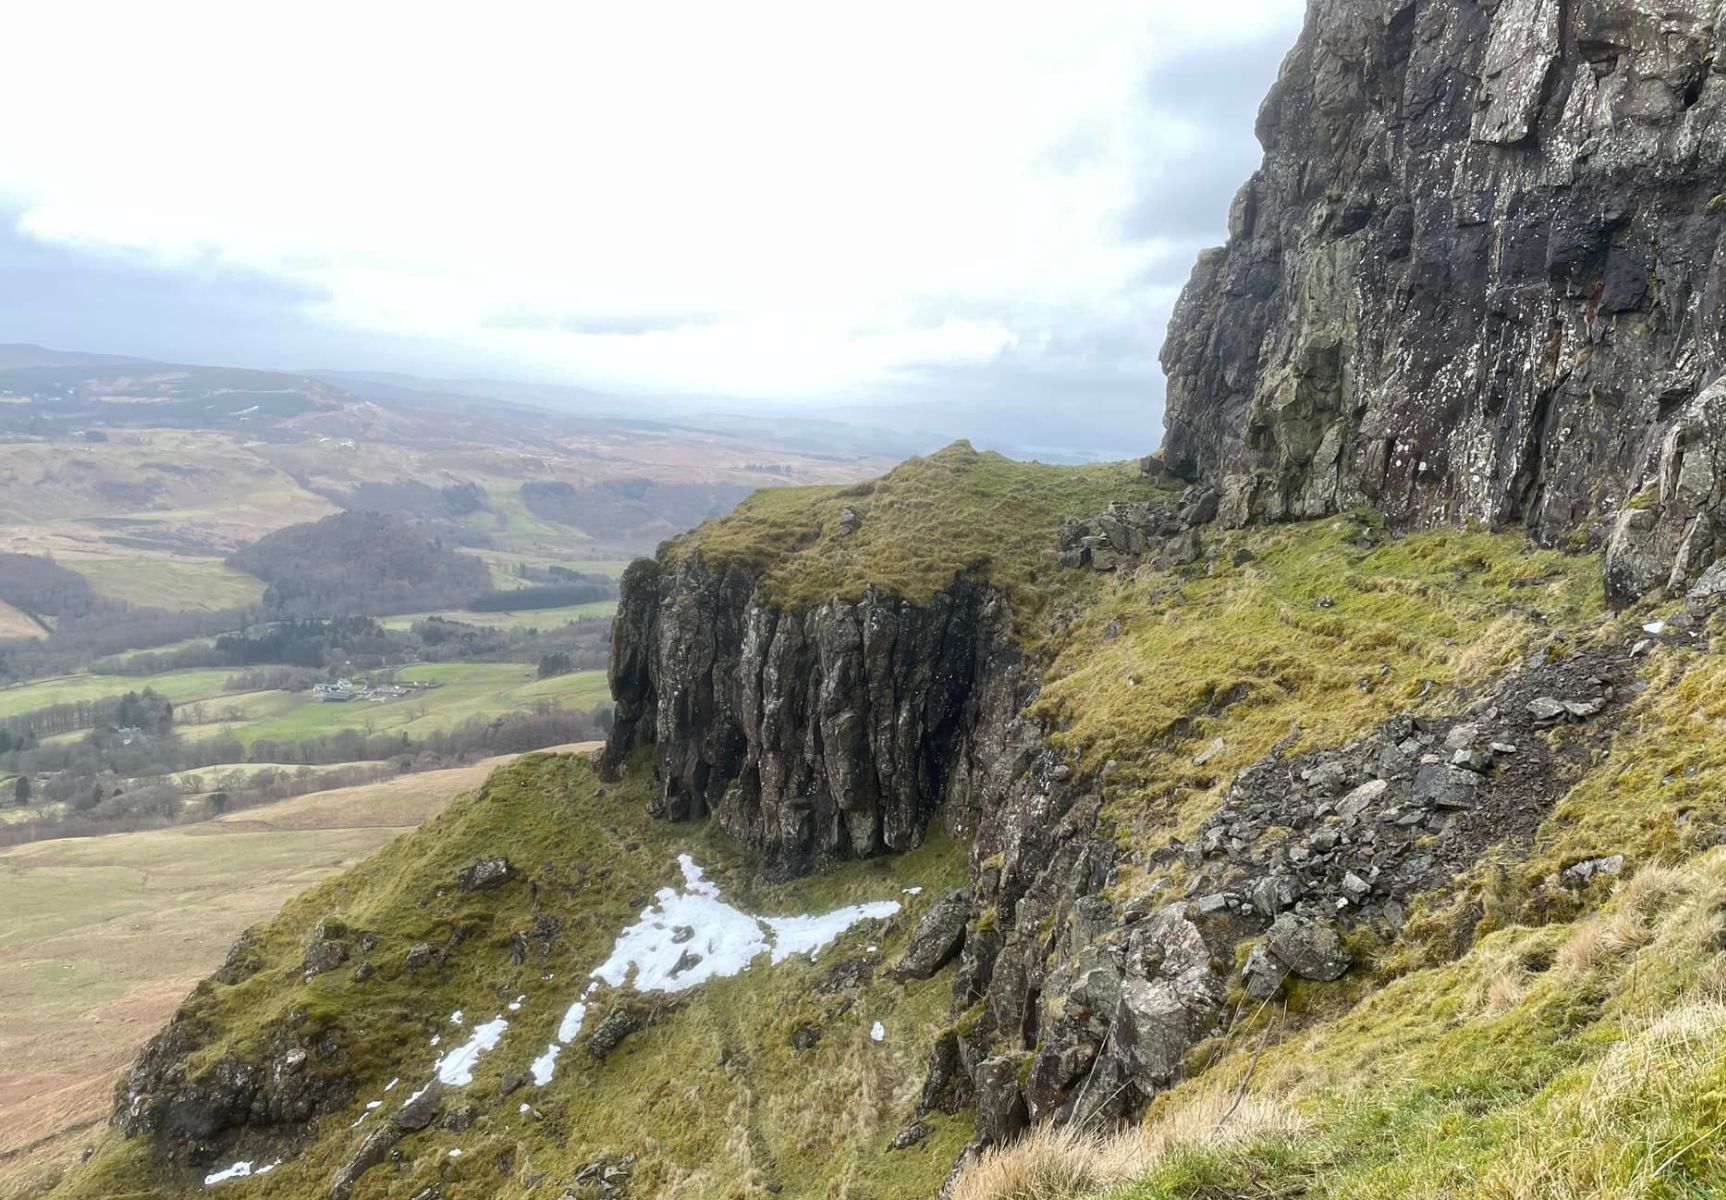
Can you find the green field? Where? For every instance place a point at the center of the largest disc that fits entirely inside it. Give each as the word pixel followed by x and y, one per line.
pixel 533 618
pixel 467 690
pixel 178 686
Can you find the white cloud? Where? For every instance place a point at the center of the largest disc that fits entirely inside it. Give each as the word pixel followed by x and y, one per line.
pixel 788 199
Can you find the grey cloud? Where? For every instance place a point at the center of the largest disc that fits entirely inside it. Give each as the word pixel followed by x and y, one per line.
pixel 1212 93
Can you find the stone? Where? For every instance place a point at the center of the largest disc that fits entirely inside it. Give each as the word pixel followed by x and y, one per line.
pixel 1546 710
pixel 1362 797
pixel 909 1136
pixel 421 1108
pixel 324 956
pixel 1262 975
pixel 1054 1072
pixel 1438 785
pixel 1582 873
pixel 484 873
pixel 805 1037
pixel 1581 710
pixel 937 938
pixel 1211 750
pixel 420 955
pixel 1309 949
pixel 1001 1114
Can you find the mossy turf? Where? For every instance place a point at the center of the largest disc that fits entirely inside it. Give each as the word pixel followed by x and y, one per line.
pixel 956 513
pixel 713 1098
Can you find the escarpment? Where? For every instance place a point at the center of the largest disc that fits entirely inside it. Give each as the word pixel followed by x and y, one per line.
pixel 835 732
pixel 1481 275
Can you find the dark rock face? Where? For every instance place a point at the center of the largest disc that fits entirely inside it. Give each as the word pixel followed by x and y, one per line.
pixel 195 1121
pixel 1480 274
pixel 832 733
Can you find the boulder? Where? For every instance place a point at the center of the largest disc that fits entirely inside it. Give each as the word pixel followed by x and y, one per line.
pixel 1309 949
pixel 1439 785
pixel 324 956
pixel 937 937
pixel 484 873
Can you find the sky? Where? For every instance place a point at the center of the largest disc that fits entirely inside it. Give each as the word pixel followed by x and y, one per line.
pixel 982 210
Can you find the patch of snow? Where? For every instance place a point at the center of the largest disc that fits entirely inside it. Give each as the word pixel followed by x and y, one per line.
pixel 371 1104
pixel 456 1067
pixel 542 1067
pixel 455 1153
pixel 265 1170
pixel 871 949
pixel 913 891
pixel 1655 627
pixel 571 1023
pixel 657 953
pixel 455 1017
pixel 390 1086
pixel 878 1032
pixel 238 1171
pixel 523 1107
pixel 515 1005
pixel 436 1038
pixel 800 935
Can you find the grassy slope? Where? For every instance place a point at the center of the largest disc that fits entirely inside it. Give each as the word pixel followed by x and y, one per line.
pixel 1400 1082
pixel 100 938
pixel 714 1098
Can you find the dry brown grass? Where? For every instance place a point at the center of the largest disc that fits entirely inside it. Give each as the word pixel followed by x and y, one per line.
pixel 1051 1163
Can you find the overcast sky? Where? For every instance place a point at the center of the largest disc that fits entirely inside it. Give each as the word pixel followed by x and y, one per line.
pixel 803 202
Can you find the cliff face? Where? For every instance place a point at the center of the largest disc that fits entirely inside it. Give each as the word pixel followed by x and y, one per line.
pixel 835 732
pixel 1481 274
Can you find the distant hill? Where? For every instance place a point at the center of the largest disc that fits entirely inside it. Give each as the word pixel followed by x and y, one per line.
pixel 46 391
pixel 360 563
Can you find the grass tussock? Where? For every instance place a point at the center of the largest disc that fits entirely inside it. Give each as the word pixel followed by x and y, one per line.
pixel 1053 1163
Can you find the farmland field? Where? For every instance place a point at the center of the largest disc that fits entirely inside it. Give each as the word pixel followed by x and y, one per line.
pixel 180 584
pixel 178 686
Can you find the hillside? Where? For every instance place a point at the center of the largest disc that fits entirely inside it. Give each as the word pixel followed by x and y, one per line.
pixel 1328 806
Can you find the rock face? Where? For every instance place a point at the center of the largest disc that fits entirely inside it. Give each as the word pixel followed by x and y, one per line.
pixel 835 732
pixel 1481 274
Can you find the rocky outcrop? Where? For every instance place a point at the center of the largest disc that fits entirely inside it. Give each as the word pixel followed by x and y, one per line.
pixel 233 1106
pixel 833 732
pixel 1481 274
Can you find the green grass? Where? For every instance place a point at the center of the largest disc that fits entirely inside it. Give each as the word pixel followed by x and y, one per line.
pixel 955 513
pixel 538 618
pixel 179 686
pixel 714 1098
pixel 467 690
